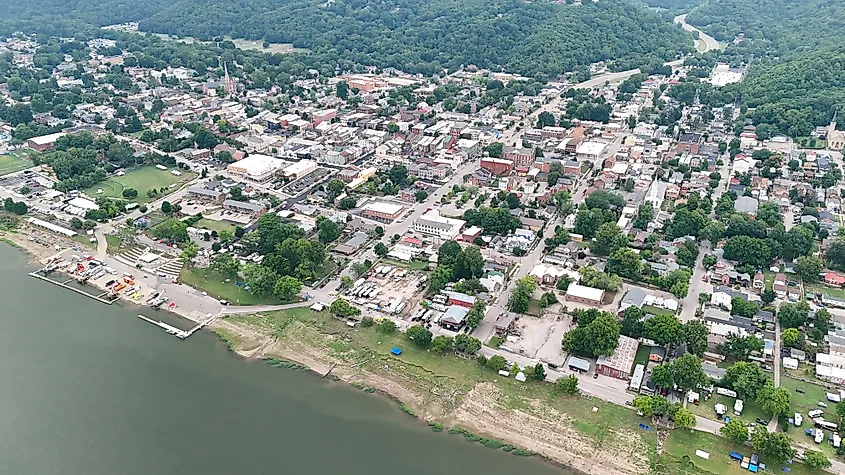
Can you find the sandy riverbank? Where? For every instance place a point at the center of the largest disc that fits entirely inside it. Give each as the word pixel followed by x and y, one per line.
pixel 478 407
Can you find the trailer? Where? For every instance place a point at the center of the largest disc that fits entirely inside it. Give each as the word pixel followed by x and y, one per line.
pixel 815 413
pixel 819 436
pixel 833 397
pixel 823 424
pixel 726 392
pixel 738 406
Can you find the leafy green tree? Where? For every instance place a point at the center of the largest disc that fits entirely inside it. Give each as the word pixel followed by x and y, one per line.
pixel 662 329
pixel 695 334
pixel 172 230
pixel 447 254
pixel 684 419
pixel 793 315
pixel 773 400
pixel 662 376
pixel 224 265
pixel 497 363
pixel 596 338
pixel 538 372
pixel 808 268
pixel 466 344
pixel 645 213
pixel 790 337
pixel 745 378
pixel 816 460
pixel 439 277
pixel 521 295
pixel 688 373
pixel 743 308
pixel 343 309
pixel 567 384
pixel 632 324
pixel 625 263
pixel 442 344
pixel 777 446
pixel 735 431
pixel 476 313
pixel 608 239
pixel 386 326
pixel 328 230
pixel 548 298
pixel 644 404
pixel 287 288
pixel 380 249
pixel 739 347
pixel 420 335
pixel 261 280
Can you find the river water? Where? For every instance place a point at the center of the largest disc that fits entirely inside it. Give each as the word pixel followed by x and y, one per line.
pixel 90 389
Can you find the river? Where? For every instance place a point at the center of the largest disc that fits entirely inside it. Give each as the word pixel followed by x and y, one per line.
pixel 89 388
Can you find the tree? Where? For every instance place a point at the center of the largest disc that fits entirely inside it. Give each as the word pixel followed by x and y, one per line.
pixel 439 277
pixel 567 384
pixel 189 252
pixel 632 324
pixel 328 230
pixel 380 249
pixel 644 404
pixel 345 282
pixel 261 280
pixel 645 213
pixel 521 295
pixel 816 460
pixel 224 265
pixel 695 334
pixel 778 446
pixel 497 363
pixel 793 315
pixel 342 90
pixel 662 376
pixel 768 296
pixel 442 344
pixel 398 175
pixel 343 309
pixel 447 254
pixel 287 288
pixel 743 308
pixel 420 335
pixel 840 410
pixel 538 372
pixel 476 313
pixel 684 419
pixel 608 239
pixel 790 337
pixel 386 326
pixel 773 400
pixel 166 207
pixel 735 431
pixel 548 298
pixel 663 329
pixel 334 188
pixel 347 202
pixel 130 193
pixel 494 149
pixel 808 268
pixel 599 337
pixel 171 230
pixel 466 344
pixel 748 250
pixel 745 378
pixel 739 347
pixel 688 373
pixel 626 263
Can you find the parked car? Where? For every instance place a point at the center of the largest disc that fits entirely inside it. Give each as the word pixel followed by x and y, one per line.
pixel 799 390
pixel 762 422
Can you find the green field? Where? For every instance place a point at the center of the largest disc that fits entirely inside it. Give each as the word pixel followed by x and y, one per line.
pixel 682 445
pixel 213 225
pixel 218 287
pixel 819 289
pixel 750 412
pixel 808 401
pixel 141 179
pixel 657 311
pixel 13 163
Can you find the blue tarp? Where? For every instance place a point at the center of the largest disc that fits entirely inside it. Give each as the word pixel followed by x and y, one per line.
pixel 736 455
pixel 396 351
pixel 786 469
pixel 752 468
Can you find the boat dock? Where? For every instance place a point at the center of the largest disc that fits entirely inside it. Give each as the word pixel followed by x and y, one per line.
pixel 100 298
pixel 170 329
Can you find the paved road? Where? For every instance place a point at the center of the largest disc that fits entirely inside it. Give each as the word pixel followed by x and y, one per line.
pixel 710 43
pixel 696 286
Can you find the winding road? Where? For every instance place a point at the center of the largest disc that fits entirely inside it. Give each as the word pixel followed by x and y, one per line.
pixel 710 43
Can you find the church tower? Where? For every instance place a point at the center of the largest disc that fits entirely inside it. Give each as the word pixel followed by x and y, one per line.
pixel 228 82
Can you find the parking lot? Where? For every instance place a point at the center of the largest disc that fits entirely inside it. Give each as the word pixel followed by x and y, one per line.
pixel 307 181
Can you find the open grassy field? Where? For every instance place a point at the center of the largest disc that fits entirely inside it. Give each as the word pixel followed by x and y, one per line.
pixel 682 445
pixel 804 402
pixel 656 310
pixel 213 225
pixel 141 179
pixel 13 163
pixel 750 412
pixel 218 287
pixel 820 289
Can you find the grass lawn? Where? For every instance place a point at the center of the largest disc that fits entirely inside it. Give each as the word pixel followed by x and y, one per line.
pixel 141 179
pixel 13 163
pixel 802 403
pixel 641 357
pixel 821 289
pixel 217 286
pixel 657 311
pixel 681 445
pixel 85 240
pixel 413 265
pixel 213 225
pixel 750 412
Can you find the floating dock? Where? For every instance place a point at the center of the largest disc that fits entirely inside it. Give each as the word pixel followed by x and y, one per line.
pixel 170 329
pixel 100 298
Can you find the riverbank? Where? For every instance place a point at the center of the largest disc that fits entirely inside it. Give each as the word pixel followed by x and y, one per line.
pixel 454 392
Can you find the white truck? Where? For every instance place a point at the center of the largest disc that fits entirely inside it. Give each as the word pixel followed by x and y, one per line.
pixel 738 406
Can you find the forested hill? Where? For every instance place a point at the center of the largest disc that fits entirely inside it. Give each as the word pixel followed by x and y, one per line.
pixel 773 26
pixel 534 38
pixel 425 35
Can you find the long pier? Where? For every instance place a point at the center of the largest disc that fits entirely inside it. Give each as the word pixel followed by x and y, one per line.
pixel 182 334
pixel 98 298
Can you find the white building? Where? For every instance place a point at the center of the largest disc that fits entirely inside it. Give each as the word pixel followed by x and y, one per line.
pixel 590 150
pixel 434 224
pixel 258 168
pixel 299 169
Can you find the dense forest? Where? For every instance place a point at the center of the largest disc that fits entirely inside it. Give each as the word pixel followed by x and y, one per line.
pixel 773 26
pixel 540 39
